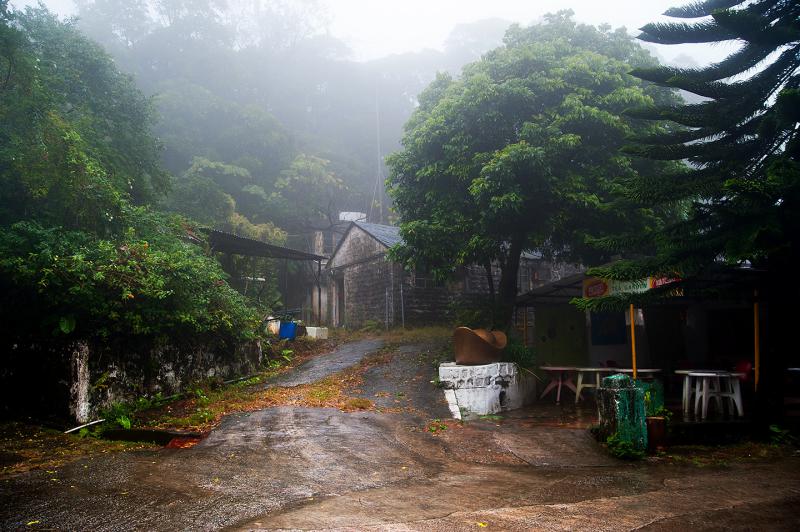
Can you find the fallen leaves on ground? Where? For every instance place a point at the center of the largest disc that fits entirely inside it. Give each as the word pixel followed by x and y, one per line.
pixel 203 413
pixel 24 447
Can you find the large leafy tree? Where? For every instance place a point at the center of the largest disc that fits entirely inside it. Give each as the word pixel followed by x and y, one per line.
pixel 520 153
pixel 741 180
pixel 83 253
pixel 74 76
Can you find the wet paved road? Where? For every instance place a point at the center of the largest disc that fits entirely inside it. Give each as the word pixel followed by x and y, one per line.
pixel 303 468
pixel 343 357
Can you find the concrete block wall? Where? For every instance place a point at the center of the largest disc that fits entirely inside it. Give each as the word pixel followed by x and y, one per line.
pixel 485 389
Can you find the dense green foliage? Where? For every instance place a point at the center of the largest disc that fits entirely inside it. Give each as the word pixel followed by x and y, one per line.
pixel 82 252
pixel 521 153
pixel 742 183
pixel 623 449
pixel 145 281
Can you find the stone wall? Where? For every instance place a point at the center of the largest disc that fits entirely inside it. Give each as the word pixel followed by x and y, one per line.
pixel 78 379
pixel 473 391
pixel 425 304
pixel 356 246
pixel 369 293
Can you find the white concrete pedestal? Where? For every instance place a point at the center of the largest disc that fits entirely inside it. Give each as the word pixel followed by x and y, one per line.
pixel 318 333
pixel 485 389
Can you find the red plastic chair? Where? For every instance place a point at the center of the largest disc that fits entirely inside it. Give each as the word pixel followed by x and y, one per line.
pixel 744 366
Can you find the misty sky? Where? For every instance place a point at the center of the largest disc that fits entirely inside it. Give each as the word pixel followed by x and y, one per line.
pixel 375 28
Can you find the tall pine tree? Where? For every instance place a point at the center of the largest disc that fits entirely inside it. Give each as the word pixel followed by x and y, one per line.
pixel 740 185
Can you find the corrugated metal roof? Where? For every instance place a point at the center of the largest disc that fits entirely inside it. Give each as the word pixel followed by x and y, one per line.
pixel 388 235
pixel 239 245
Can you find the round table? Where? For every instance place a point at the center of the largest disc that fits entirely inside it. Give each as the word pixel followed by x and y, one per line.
pixel 648 373
pixel 562 378
pixel 580 385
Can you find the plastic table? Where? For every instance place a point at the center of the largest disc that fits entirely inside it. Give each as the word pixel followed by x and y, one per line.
pixel 559 376
pixel 581 384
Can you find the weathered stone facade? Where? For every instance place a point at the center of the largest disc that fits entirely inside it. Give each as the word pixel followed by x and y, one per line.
pixel 81 378
pixel 365 288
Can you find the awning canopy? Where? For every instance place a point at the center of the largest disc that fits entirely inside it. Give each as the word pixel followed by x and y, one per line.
pixel 238 245
pixel 555 292
pixel 716 280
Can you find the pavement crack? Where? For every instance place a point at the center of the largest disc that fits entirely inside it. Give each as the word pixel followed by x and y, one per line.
pixel 685 514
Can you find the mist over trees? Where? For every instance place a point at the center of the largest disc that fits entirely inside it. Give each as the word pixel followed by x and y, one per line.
pixel 128 130
pixel 261 86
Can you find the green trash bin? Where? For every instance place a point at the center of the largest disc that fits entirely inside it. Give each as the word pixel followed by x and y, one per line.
pixel 621 409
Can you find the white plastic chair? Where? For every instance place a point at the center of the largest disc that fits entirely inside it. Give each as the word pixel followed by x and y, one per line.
pixel 717 386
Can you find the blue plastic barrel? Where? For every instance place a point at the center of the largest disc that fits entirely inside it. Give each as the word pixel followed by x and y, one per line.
pixel 288 330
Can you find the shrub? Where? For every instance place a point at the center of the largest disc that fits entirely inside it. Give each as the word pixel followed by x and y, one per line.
pixel 518 353
pixel 623 449
pixel 144 282
pixel 372 326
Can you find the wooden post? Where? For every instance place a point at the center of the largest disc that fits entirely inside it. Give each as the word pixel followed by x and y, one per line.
pixel 525 326
pixel 633 342
pixel 402 303
pixel 319 293
pixel 756 347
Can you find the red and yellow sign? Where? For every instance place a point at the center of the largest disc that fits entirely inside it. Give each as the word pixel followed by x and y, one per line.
pixel 658 282
pixel 595 287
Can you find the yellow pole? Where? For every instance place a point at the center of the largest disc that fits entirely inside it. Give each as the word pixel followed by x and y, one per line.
pixel 756 339
pixel 633 342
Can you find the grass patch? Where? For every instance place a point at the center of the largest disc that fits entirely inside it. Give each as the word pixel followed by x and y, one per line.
pixel 358 403
pixel 725 455
pixel 436 426
pixel 431 333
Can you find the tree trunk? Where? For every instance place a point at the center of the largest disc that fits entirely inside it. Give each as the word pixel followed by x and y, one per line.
pixel 79 405
pixel 490 281
pixel 507 294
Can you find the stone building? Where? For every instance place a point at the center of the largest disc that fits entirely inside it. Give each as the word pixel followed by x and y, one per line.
pixel 363 286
